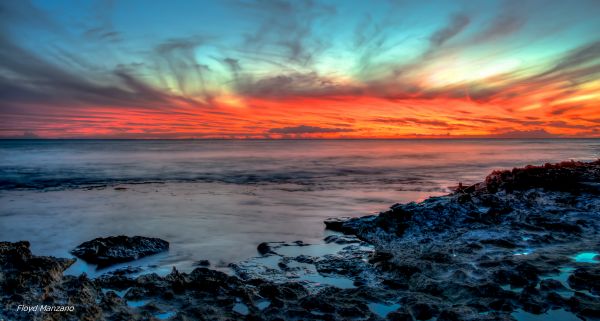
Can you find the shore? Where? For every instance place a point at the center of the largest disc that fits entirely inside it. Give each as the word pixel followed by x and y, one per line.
pixel 523 243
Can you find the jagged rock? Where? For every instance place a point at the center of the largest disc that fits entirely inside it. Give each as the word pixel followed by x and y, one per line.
pixel 203 263
pixel 116 249
pixel 586 279
pixel 264 248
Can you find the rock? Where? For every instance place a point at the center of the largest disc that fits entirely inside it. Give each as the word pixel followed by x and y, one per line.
pixel 399 316
pixel 584 305
pixel 423 311
pixel 348 225
pixel 552 285
pixel 336 223
pixel 202 263
pixel 565 176
pixel 21 271
pixel 586 279
pixel 126 270
pixel 341 239
pixel 264 248
pixel 117 249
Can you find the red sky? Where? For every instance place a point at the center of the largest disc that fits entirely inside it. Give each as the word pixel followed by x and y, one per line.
pixel 299 70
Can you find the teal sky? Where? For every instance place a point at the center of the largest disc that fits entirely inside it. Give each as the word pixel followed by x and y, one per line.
pixel 60 56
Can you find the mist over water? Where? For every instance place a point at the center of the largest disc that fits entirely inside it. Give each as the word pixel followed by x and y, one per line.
pixel 217 200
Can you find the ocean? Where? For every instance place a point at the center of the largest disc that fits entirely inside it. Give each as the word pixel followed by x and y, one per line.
pixel 218 199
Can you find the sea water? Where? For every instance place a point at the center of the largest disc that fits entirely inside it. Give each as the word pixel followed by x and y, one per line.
pixel 219 199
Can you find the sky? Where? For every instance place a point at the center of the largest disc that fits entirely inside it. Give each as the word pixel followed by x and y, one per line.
pixel 271 69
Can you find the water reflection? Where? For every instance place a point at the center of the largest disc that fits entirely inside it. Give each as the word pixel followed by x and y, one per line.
pixel 217 200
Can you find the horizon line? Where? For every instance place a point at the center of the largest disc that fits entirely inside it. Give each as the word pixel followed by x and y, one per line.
pixel 302 139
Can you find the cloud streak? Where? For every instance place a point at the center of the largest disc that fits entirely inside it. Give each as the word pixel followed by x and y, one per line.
pixel 256 68
pixel 304 129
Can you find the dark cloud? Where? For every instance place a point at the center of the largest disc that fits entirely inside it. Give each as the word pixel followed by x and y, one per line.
pixel 511 17
pixel 293 84
pixel 456 24
pixel 373 40
pixel 502 25
pixel 538 133
pixel 102 33
pixel 233 64
pixel 32 79
pixel 33 84
pixel 285 28
pixel 24 12
pixel 303 129
pixel 579 57
pixel 236 72
pixel 563 124
pixel 410 121
pixel 177 58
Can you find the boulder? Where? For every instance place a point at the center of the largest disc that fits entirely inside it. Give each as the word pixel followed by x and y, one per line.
pixel 116 249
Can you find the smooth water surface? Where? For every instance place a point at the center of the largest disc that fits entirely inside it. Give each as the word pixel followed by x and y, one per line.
pixel 217 200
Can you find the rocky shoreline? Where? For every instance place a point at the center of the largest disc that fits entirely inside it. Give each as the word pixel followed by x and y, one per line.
pixel 521 244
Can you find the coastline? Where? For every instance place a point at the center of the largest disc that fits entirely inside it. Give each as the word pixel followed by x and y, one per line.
pixel 522 241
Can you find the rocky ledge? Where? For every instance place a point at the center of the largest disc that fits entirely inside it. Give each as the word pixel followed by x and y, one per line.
pixel 521 244
pixel 116 249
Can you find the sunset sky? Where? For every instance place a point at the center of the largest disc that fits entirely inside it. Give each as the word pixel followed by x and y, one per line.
pixel 300 69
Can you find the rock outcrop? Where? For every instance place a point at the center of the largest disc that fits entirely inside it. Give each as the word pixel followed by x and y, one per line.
pixel 116 249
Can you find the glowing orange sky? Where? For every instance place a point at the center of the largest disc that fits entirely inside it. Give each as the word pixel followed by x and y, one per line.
pixel 300 70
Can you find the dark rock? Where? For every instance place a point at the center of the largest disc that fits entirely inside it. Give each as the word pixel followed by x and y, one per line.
pixel 202 263
pixel 552 285
pixel 349 225
pixel 336 223
pixel 585 305
pixel 505 243
pixel 116 249
pixel 264 248
pixel 126 270
pixel 423 311
pixel 586 279
pixel 20 271
pixel 379 256
pixel 337 239
pixel 399 316
pixel 565 176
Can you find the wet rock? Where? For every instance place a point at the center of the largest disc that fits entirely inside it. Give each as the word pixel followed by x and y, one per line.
pixel 586 279
pixel 585 305
pixel 422 311
pixel 126 270
pixel 399 316
pixel 505 243
pixel 565 176
pixel 336 223
pixel 202 263
pixel 116 249
pixel 341 239
pixel 552 285
pixel 21 271
pixel 348 225
pixel 264 248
